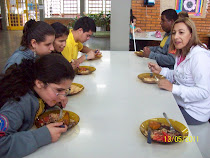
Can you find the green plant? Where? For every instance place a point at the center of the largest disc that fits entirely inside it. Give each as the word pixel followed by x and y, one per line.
pixel 72 23
pixel 99 19
pixel 108 20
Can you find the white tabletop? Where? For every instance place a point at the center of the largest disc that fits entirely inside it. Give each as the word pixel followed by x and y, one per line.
pixel 148 36
pixel 111 108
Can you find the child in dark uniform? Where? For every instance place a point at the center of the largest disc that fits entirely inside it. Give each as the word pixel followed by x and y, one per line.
pixel 22 89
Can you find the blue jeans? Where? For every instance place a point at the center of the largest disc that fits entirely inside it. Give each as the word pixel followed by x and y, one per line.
pixel 189 119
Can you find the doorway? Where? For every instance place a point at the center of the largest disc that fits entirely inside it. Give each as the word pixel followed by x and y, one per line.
pixel 19 12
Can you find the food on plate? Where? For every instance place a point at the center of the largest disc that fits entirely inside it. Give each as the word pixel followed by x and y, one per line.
pixel 139 53
pixel 74 89
pixel 163 133
pixel 55 117
pixel 98 55
pixel 154 124
pixel 83 70
pixel 149 79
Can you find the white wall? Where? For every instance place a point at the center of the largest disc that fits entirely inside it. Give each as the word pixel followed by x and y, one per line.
pixel 120 19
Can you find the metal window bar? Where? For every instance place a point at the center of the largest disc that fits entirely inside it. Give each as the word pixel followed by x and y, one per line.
pixel 107 9
pixel 71 8
pixel 62 8
pixel 98 6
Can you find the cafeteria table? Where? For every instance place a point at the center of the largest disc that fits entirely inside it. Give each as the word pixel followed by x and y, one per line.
pixel 111 108
pixel 148 36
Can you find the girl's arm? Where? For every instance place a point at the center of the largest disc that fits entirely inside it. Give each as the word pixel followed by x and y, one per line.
pixel 16 140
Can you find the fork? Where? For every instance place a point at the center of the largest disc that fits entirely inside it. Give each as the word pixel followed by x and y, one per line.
pixel 61 109
pixel 61 112
pixel 151 74
pixel 171 127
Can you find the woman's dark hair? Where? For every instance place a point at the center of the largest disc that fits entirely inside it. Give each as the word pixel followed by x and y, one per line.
pixel 60 29
pixel 86 23
pixel 132 17
pixel 35 30
pixel 51 68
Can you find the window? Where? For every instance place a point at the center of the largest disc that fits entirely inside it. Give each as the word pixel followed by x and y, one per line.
pixel 62 8
pixel 71 8
pixel 98 6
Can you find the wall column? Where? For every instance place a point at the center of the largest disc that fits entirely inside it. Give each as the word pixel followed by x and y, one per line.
pixel 3 14
pixel 120 19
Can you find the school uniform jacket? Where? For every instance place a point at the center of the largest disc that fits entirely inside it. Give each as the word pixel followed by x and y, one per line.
pixel 16 118
pixel 161 55
pixel 17 57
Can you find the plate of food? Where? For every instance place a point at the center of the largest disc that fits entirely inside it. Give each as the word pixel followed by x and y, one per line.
pixel 75 88
pixel 139 53
pixel 85 70
pixel 97 56
pixel 148 78
pixel 160 130
pixel 69 118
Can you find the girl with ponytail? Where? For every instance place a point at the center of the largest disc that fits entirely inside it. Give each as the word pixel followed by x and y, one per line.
pixel 37 40
pixel 21 89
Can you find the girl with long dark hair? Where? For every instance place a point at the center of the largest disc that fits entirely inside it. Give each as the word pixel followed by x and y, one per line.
pixel 37 40
pixel 22 89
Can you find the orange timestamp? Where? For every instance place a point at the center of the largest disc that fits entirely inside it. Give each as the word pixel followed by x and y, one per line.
pixel 170 139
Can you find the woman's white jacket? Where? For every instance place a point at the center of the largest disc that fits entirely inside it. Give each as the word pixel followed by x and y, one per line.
pixel 191 83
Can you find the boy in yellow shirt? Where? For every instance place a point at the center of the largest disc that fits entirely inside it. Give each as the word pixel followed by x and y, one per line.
pixel 82 31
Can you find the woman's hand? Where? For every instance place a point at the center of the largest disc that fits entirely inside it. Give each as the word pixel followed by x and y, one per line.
pixel 165 84
pixel 55 130
pixel 154 67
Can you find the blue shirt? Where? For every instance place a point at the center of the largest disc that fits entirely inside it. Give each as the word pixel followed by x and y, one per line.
pixel 18 117
pixel 131 35
pixel 17 57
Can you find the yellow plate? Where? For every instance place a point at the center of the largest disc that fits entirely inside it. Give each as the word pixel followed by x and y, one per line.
pixel 90 68
pixel 177 125
pixel 139 53
pixel 147 75
pixel 75 84
pixel 72 115
pixel 97 57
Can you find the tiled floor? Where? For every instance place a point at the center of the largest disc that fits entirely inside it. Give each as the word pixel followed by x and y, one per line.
pixel 10 41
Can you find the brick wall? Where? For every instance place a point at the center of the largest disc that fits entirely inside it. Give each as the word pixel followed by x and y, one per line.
pixel 151 20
